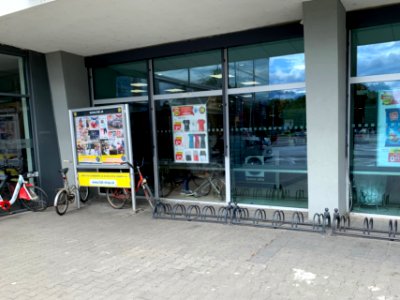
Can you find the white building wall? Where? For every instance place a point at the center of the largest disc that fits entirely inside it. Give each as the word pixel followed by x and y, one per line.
pixel 69 89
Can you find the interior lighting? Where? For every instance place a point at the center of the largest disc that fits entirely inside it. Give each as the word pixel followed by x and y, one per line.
pixel 136 91
pixel 219 76
pixel 138 84
pixel 174 90
pixel 250 83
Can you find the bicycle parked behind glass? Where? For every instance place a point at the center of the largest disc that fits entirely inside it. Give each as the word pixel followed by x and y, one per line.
pixel 210 183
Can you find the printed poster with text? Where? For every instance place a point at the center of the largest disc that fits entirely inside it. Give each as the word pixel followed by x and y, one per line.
pixel 100 137
pixel 388 152
pixel 190 133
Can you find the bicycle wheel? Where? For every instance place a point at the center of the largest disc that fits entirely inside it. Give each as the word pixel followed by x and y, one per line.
pixel 218 188
pixel 39 202
pixel 166 188
pixel 117 197
pixel 61 202
pixel 204 189
pixel 84 193
pixel 149 195
pixel 196 180
pixel 8 190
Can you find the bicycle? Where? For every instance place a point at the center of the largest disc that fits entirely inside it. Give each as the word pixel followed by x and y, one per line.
pixel 117 197
pixel 67 194
pixel 32 197
pixel 172 183
pixel 210 183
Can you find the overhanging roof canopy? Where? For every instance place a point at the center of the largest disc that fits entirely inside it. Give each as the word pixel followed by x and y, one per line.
pixel 90 27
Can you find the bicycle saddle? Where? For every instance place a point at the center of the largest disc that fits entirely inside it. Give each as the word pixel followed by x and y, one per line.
pixel 64 171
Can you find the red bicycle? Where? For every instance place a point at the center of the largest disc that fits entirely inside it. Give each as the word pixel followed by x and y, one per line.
pixel 118 197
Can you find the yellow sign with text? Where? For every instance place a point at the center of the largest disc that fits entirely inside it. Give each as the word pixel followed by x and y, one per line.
pixel 105 179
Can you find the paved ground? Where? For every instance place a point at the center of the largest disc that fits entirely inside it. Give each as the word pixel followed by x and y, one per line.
pixel 102 253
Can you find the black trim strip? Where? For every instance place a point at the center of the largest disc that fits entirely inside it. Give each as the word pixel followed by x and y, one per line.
pixel 373 17
pixel 5 49
pixel 253 36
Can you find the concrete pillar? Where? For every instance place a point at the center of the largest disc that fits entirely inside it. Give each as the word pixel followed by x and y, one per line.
pixel 325 54
pixel 69 89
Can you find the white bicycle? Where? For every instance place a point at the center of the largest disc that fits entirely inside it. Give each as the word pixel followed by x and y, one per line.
pixel 68 194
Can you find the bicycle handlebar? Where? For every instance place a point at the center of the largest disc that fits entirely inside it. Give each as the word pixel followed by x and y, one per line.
pixel 128 163
pixel 131 165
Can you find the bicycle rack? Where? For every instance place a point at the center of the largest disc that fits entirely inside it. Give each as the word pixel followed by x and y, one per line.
pixel 235 215
pixel 341 226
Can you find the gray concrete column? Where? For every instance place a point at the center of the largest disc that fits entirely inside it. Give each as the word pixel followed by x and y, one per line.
pixel 69 90
pixel 325 54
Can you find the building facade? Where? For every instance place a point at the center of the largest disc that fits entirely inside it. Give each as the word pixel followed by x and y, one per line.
pixel 301 116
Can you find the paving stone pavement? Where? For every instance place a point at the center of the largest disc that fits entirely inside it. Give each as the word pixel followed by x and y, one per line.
pixel 101 253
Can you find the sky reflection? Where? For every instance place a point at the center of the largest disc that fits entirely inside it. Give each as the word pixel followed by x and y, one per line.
pixel 381 58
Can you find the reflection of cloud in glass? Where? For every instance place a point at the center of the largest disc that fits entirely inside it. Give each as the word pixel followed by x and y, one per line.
pixel 382 58
pixel 382 86
pixel 203 73
pixel 287 69
pixel 286 95
pixel 181 75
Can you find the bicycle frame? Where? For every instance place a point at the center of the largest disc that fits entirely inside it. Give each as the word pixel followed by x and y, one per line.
pixel 141 180
pixel 20 192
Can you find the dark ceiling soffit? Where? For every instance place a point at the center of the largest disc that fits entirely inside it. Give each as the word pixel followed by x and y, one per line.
pixel 253 36
pixel 373 17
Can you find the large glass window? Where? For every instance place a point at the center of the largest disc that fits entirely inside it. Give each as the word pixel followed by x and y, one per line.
pixel 375 122
pixel 268 63
pixel 188 73
pixel 119 81
pixel 16 146
pixel 375 145
pixel 191 148
pixel 268 135
pixel 141 139
pixel 268 141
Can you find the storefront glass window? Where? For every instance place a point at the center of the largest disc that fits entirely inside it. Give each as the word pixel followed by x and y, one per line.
pixel 11 74
pixel 375 121
pixel 119 81
pixel 268 141
pixel 375 147
pixel 278 62
pixel 188 73
pixel 376 50
pixel 15 142
pixel 141 139
pixel 191 148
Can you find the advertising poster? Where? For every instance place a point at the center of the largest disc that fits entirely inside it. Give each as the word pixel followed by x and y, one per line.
pixel 190 133
pixel 100 136
pixel 388 152
pixel 104 179
pixel 10 140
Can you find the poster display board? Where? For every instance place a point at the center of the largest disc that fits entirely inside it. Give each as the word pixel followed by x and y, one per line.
pixel 388 152
pixel 100 136
pixel 190 133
